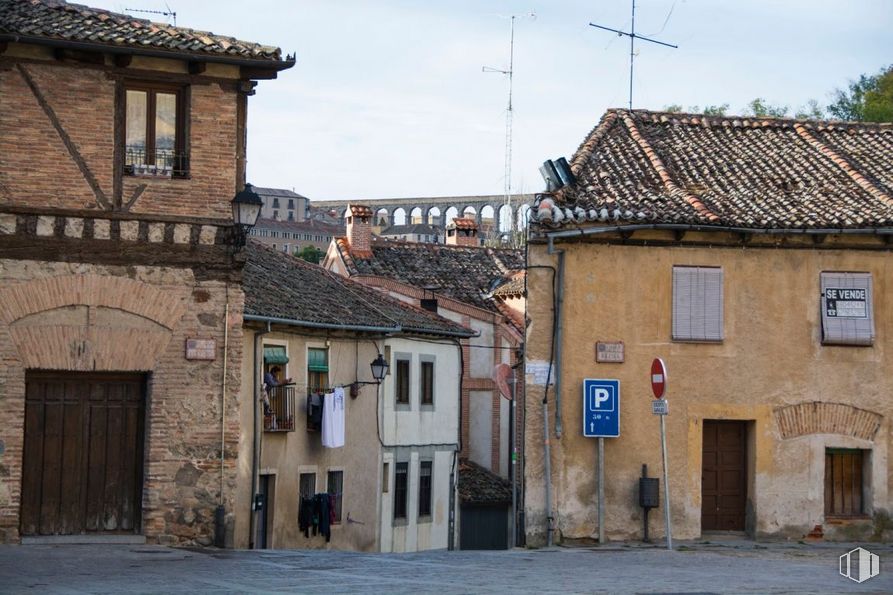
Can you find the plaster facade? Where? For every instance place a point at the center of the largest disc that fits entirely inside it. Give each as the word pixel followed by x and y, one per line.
pixel 797 395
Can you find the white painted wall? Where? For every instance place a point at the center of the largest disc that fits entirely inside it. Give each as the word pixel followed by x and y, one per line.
pixel 480 429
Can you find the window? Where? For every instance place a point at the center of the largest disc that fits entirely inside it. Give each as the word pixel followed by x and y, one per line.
pixel 401 480
pixel 402 381
pixel 307 485
pixel 154 132
pixel 843 482
pixel 426 385
pixel 697 303
pixel 847 310
pixel 425 488
pixel 335 485
pixel 317 369
pixel 291 204
pixel 275 203
pixel 276 215
pixel 291 215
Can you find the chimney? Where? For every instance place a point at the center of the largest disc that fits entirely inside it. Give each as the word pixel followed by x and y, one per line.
pixel 358 219
pixel 462 232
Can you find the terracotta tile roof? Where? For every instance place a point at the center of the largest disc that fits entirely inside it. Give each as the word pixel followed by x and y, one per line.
pixel 513 286
pixel 757 173
pixel 463 223
pixel 478 485
pixel 281 286
pixel 464 273
pixel 61 21
pixel 360 211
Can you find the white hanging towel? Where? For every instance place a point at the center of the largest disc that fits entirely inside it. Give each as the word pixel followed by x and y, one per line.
pixel 333 419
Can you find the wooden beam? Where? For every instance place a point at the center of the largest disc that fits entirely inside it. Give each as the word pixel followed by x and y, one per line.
pixel 63 54
pixel 123 60
pixel 257 73
pixel 197 67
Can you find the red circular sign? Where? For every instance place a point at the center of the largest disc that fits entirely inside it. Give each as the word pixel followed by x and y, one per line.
pixel 658 378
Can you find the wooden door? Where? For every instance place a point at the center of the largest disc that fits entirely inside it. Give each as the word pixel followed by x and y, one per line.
pixel 83 454
pixel 723 476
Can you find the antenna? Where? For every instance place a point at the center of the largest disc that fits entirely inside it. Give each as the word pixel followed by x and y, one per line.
pixel 507 188
pixel 167 13
pixel 632 40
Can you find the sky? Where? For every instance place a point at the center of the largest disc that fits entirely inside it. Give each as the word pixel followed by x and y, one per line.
pixel 387 99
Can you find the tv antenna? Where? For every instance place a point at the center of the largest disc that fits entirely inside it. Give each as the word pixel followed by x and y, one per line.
pixel 167 13
pixel 507 188
pixel 633 36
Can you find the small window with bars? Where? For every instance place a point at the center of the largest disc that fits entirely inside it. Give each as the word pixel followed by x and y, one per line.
pixel 847 309
pixel 335 486
pixel 401 482
pixel 307 485
pixel 425 472
pixel 697 304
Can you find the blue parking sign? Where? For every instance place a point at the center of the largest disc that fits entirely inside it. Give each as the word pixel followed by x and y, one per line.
pixel 601 408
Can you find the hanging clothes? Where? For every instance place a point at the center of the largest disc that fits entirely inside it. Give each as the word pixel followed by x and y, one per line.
pixel 333 419
pixel 314 412
pixel 321 506
pixel 305 515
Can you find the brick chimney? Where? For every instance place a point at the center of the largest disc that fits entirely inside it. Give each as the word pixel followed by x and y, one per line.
pixel 358 221
pixel 462 232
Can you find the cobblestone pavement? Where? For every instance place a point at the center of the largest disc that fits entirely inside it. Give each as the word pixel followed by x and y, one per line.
pixel 745 567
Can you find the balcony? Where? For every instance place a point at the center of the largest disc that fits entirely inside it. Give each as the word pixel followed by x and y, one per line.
pixel 160 163
pixel 279 409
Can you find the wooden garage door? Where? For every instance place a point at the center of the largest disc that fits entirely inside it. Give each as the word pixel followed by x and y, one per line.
pixel 82 468
pixel 723 477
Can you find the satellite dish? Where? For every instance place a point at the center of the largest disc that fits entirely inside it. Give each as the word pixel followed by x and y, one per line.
pixel 504 376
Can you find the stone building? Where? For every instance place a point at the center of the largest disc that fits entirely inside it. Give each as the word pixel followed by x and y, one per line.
pixel 753 256
pixel 393 479
pixel 281 204
pixel 293 236
pixel 455 280
pixel 122 143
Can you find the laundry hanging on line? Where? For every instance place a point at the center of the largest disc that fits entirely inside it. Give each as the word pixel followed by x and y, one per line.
pixel 333 419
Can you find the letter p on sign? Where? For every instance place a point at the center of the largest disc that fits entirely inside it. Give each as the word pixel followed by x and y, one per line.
pixel 601 400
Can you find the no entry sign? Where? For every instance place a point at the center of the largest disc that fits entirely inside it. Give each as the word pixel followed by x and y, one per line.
pixel 658 378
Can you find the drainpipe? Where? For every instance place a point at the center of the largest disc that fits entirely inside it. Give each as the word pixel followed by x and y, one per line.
pixel 255 455
pixel 559 331
pixel 220 512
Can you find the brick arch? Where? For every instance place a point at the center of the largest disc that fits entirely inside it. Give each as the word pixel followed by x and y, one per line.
pixel 89 322
pixel 827 418
pixel 119 293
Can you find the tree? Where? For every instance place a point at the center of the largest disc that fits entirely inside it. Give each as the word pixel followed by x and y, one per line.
pixel 811 111
pixel 760 108
pixel 310 254
pixel 869 99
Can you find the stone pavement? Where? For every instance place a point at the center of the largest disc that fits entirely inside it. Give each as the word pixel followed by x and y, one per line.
pixel 702 567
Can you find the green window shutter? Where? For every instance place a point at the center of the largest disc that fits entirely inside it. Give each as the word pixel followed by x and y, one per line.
pixel 275 355
pixel 318 360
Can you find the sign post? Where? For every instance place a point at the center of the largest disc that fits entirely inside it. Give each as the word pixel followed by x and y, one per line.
pixel 601 419
pixel 659 388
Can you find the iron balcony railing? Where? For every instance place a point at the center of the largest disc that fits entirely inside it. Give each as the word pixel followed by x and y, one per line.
pixel 162 163
pixel 279 409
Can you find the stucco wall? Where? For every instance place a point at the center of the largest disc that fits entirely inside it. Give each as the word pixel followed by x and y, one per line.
pixel 288 454
pixel 771 357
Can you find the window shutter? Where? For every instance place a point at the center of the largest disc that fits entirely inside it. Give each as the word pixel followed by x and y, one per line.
pixel 847 316
pixel 697 303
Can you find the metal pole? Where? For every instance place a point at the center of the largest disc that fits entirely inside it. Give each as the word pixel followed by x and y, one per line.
pixel 632 43
pixel 601 491
pixel 514 470
pixel 547 471
pixel 663 446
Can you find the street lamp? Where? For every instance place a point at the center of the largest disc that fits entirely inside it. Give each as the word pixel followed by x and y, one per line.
pixel 379 371
pixel 246 209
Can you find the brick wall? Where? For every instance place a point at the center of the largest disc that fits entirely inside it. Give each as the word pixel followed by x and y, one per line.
pixel 54 117
pixel 182 479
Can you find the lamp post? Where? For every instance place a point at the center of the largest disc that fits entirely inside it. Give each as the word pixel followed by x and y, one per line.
pixel 379 370
pixel 246 209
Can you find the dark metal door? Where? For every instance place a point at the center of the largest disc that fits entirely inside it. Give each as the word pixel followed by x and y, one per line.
pixel 83 453
pixel 723 477
pixel 483 528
